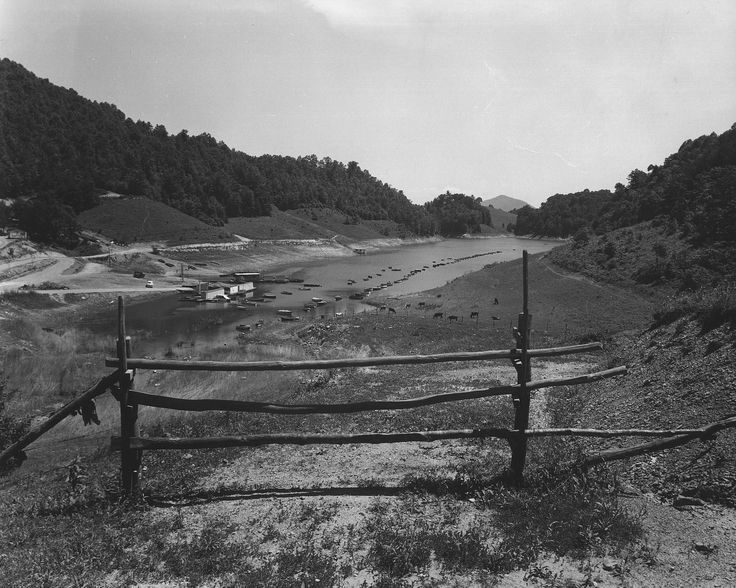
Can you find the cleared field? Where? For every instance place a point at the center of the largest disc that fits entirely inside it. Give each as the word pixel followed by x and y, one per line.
pixel 136 220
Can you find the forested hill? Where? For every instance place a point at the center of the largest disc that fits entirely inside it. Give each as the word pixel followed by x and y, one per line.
pixel 695 188
pixel 62 149
pixel 562 214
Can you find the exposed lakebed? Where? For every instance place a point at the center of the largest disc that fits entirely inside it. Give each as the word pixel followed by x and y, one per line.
pixel 164 322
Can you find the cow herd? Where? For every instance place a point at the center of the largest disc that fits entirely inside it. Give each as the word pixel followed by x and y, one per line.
pixel 474 314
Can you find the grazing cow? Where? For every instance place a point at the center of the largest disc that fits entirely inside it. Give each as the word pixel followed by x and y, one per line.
pixel 384 307
pixel 439 315
pixel 421 304
pixel 391 309
pixel 495 301
pixel 407 305
pixel 452 317
pixel 495 318
pixel 474 314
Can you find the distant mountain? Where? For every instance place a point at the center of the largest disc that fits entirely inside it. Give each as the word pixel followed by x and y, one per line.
pixel 505 203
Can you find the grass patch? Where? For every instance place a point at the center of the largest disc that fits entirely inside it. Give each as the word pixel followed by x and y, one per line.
pixel 565 513
pixel 138 219
pixel 710 307
pixel 47 366
pixel 29 300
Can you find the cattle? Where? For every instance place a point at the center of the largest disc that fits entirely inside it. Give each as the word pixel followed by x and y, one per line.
pixel 382 308
pixel 407 305
pixel 495 301
pixel 495 318
pixel 474 314
pixel 439 315
pixel 390 310
pixel 421 304
pixel 452 317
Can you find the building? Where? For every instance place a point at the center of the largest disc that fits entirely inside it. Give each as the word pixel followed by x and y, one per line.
pixel 17 234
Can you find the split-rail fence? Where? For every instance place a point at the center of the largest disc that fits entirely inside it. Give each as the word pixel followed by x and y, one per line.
pixel 131 445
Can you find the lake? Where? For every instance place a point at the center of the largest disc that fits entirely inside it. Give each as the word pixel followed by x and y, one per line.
pixel 165 322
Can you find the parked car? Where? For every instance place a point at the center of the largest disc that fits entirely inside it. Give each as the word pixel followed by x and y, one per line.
pixel 149 284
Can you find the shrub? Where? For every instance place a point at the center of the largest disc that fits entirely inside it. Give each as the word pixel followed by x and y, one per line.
pixel 710 307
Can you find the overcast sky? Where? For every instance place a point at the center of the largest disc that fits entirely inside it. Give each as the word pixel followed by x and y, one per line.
pixel 524 98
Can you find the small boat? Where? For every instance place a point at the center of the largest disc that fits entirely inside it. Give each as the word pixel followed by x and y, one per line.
pixel 338 297
pixel 290 318
pixel 286 292
pixel 304 288
pixel 269 295
pixel 284 312
pixel 241 307
pixel 257 299
pixel 296 280
pixel 317 300
pixel 313 285
pixel 356 296
pixel 243 328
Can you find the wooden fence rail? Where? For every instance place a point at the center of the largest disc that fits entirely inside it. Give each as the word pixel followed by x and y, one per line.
pixel 378 438
pixel 203 404
pixel 325 364
pixel 69 408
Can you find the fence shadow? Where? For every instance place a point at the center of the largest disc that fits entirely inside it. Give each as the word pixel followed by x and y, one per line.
pixel 235 494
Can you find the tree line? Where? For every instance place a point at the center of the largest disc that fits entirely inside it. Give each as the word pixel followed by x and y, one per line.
pixel 694 188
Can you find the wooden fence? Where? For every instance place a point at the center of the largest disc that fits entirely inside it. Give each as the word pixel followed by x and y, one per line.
pixel 131 445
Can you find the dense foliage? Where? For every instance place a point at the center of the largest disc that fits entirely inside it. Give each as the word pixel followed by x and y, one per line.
pixel 458 214
pixel 562 214
pixel 695 188
pixel 61 147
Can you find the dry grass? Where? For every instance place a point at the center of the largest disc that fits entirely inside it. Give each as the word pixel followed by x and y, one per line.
pixel 47 366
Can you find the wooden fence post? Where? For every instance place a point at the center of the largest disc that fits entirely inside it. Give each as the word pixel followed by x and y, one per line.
pixel 524 373
pixel 129 458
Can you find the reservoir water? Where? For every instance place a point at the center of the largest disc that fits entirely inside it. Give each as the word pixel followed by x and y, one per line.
pixel 166 322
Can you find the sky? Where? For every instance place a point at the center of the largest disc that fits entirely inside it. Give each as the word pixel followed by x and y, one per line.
pixel 526 98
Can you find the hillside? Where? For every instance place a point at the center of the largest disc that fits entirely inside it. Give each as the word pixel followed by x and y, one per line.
pixel 59 148
pixel 140 220
pixel 501 219
pixel 505 203
pixel 694 187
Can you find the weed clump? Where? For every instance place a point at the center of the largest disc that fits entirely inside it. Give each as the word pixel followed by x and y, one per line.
pixel 711 308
